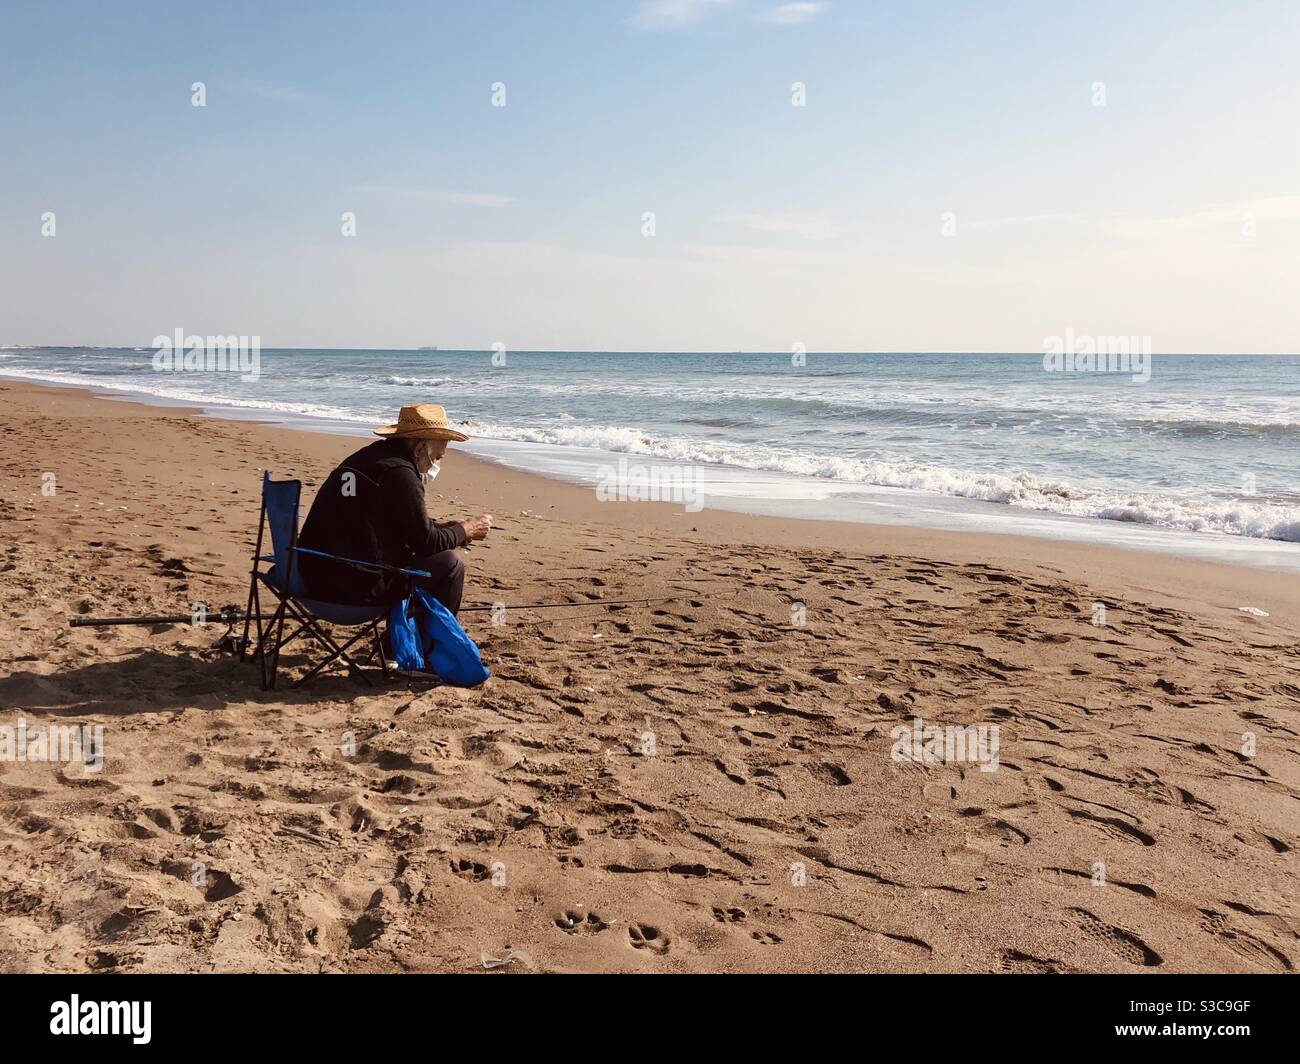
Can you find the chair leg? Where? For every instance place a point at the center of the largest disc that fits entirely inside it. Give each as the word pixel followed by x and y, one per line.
pixel 304 627
pixel 271 640
pixel 256 618
pixel 376 647
pixel 253 608
pixel 306 623
pixel 311 626
pixel 263 636
pixel 248 618
pixel 262 652
pixel 277 623
pixel 339 653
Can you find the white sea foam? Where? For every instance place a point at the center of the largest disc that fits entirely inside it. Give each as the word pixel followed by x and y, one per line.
pixel 1263 520
pixel 420 382
pixel 187 395
pixel 370 399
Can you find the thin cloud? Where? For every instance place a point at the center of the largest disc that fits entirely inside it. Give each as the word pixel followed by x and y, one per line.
pixel 803 226
pixel 1226 219
pixel 1137 227
pixel 792 14
pixel 435 195
pixel 674 14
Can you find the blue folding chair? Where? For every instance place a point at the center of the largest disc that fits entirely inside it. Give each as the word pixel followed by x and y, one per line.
pixel 280 499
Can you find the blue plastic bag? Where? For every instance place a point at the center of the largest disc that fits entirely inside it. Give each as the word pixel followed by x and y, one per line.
pixel 425 635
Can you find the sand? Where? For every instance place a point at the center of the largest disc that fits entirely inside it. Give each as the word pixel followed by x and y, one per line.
pixel 704 785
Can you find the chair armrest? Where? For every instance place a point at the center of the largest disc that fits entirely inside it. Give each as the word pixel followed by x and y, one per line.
pixel 372 567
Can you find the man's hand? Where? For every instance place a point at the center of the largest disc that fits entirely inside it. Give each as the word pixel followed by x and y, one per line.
pixel 476 528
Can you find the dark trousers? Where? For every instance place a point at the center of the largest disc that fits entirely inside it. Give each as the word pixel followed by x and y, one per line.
pixel 447 582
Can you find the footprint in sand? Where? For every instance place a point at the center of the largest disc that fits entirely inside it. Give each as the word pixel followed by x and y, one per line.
pixel 104 960
pixel 1123 944
pixel 220 886
pixel 572 923
pixel 1260 840
pixel 1115 827
pixel 1244 944
pixel 467 869
pixel 992 828
pixel 363 931
pixel 1272 921
pixel 398 784
pixel 643 936
pixel 126 918
pixel 1013 960
pixel 131 830
pixel 829 773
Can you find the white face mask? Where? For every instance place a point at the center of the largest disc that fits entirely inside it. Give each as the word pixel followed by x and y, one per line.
pixel 432 474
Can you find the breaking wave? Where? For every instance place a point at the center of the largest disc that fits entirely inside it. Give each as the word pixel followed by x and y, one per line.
pixel 1234 517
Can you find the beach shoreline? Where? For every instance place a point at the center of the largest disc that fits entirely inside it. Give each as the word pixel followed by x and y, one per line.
pixel 1166 479
pixel 770 828
pixel 848 533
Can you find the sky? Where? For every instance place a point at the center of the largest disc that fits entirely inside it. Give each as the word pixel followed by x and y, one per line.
pixel 953 176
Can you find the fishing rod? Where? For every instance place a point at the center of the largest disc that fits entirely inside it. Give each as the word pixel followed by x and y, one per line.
pixel 229 616
pixel 233 615
pixel 556 605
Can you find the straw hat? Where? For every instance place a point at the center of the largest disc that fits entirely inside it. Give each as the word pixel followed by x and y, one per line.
pixel 424 421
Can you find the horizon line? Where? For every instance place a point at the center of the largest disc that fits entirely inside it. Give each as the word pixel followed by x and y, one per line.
pixel 635 351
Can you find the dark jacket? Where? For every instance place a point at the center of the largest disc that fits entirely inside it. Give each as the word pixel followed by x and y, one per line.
pixel 371 508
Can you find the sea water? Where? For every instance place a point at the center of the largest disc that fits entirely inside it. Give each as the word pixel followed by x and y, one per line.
pixel 1199 455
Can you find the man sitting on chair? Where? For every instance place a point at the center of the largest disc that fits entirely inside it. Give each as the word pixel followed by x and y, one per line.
pixel 371 509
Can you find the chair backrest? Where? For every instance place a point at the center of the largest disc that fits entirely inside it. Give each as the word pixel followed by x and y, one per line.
pixel 280 498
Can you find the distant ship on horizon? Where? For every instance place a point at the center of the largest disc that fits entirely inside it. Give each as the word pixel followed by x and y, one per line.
pixel 426 349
